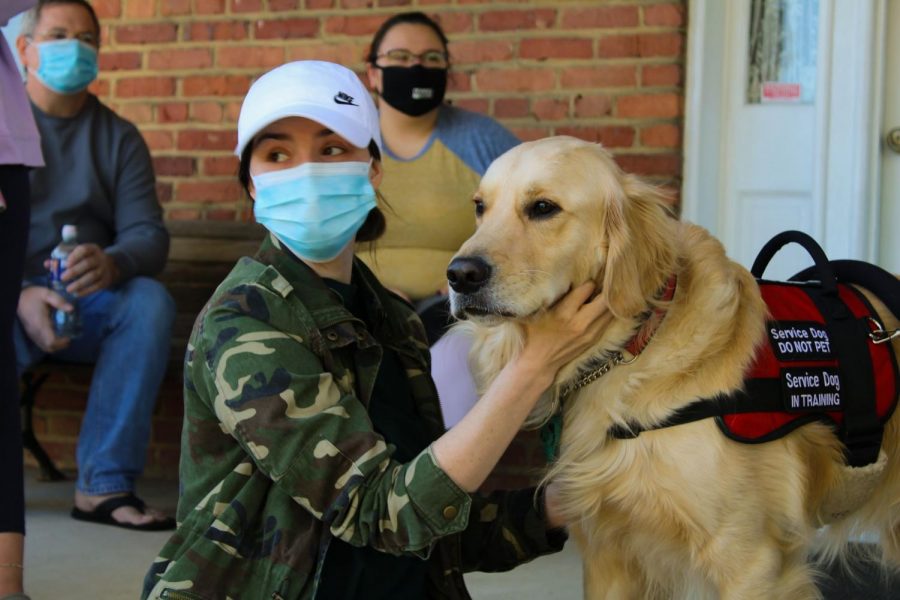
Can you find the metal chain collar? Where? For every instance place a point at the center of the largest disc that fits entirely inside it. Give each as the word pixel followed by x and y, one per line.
pixel 593 375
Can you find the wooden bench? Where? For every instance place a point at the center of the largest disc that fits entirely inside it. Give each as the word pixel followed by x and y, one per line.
pixel 201 254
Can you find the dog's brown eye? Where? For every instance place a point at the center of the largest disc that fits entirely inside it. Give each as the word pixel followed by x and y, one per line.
pixel 479 207
pixel 542 209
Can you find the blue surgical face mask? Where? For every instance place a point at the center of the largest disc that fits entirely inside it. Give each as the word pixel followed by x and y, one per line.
pixel 315 209
pixel 66 66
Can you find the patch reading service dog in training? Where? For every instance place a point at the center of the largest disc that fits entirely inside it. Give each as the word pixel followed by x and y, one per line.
pixel 811 389
pixel 799 340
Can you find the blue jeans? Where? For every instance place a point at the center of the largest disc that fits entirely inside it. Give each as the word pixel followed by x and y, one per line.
pixel 126 332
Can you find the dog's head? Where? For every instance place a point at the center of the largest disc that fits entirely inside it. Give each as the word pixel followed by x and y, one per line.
pixel 553 214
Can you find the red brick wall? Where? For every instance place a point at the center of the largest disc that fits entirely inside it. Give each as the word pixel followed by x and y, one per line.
pixel 608 71
pixel 605 71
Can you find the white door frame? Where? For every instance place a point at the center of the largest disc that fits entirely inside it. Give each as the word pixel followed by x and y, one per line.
pixel 848 116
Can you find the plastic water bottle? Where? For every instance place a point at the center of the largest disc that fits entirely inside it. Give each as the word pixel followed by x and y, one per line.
pixel 65 324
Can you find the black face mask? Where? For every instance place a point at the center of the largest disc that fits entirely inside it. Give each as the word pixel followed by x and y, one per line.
pixel 413 90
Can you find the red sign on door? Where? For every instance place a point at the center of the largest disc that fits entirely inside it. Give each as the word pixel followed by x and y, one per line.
pixel 776 91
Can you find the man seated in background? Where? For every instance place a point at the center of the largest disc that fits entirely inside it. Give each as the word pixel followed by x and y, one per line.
pixel 98 177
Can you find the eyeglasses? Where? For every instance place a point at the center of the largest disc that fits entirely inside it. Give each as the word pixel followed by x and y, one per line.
pixel 435 59
pixel 87 37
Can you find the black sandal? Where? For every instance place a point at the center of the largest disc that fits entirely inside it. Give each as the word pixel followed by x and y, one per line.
pixel 103 514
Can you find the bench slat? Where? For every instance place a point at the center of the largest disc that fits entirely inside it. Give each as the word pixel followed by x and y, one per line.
pixel 240 230
pixel 211 250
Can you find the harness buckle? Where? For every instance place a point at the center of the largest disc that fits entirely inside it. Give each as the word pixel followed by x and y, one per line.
pixel 878 334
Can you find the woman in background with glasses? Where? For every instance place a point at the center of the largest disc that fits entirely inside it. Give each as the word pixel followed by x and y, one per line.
pixel 434 157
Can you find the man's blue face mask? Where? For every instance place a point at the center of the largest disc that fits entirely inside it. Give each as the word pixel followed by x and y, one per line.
pixel 66 66
pixel 315 209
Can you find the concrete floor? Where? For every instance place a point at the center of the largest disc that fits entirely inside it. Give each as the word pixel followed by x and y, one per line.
pixel 70 559
pixel 65 558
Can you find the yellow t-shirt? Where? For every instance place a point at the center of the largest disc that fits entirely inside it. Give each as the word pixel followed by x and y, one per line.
pixel 430 212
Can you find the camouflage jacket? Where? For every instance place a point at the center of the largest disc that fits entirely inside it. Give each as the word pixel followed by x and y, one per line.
pixel 279 455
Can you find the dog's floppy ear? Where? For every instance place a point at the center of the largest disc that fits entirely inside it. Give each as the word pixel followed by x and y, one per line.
pixel 639 232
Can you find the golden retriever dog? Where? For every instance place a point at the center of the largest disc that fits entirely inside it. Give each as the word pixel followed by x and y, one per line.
pixel 680 511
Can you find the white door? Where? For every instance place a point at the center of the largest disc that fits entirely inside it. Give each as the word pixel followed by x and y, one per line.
pixel 889 246
pixel 789 137
pixel 770 177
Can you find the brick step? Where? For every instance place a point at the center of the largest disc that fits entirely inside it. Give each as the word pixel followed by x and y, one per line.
pixel 61 402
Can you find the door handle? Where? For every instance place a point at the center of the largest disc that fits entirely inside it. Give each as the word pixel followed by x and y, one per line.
pixel 892 139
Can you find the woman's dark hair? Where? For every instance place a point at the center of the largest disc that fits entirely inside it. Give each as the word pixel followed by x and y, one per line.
pixel 374 225
pixel 413 18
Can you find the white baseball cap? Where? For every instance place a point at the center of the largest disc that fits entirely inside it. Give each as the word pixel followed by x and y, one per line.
pixel 324 92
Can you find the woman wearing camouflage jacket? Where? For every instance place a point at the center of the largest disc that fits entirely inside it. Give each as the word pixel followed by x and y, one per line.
pixel 314 460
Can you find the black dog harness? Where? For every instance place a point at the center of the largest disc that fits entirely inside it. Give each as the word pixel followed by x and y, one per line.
pixel 827 358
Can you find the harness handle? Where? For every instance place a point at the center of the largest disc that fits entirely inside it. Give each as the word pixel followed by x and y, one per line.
pixel 822 266
pixel 885 285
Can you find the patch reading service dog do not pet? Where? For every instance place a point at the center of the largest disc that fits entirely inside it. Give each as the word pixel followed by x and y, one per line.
pixel 799 340
pixel 805 388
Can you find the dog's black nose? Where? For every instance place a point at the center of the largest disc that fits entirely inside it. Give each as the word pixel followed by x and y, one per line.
pixel 468 274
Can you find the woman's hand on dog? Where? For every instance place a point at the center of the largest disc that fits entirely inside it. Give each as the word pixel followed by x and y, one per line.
pixel 471 448
pixel 566 331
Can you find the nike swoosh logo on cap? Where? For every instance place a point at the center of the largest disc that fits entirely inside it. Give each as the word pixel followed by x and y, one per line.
pixel 342 98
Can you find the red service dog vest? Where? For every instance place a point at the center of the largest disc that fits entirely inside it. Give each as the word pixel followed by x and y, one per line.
pixel 826 358
pixel 801 374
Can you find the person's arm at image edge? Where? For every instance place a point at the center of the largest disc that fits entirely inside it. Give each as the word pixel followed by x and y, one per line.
pixel 10 8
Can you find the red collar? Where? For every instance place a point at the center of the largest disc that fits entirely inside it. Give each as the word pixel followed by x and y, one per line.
pixel 595 369
pixel 652 320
